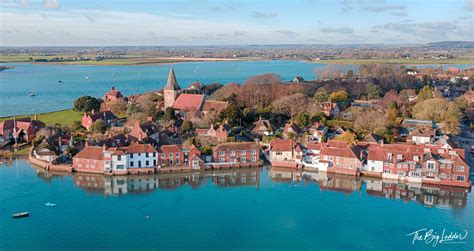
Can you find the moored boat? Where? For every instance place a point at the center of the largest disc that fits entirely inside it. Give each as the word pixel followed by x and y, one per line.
pixel 21 215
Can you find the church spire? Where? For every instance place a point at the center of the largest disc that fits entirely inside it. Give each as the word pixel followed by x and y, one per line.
pixel 172 84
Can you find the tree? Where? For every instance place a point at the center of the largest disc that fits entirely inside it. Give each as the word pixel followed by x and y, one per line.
pixel 425 93
pixel 303 120
pixel 373 91
pixel 169 114
pixel 99 126
pixel 187 126
pixel 348 137
pixel 231 113
pixel 77 126
pixel 369 122
pixel 86 103
pixel 321 95
pixel 132 108
pixel 439 110
pixel 339 96
pixel 291 105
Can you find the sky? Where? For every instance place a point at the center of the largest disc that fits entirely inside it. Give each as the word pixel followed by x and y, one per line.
pixel 243 22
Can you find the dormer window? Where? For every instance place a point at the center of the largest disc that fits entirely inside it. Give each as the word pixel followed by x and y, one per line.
pixel 416 158
pixel 399 156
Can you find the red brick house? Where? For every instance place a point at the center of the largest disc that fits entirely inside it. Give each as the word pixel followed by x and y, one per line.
pixel 236 154
pixel 91 160
pixel 285 153
pixel 113 95
pixel 221 133
pixel 341 157
pixel 145 132
pixel 20 130
pixel 171 155
pixel 107 116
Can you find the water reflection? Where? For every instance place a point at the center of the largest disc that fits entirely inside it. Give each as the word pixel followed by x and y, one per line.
pixel 427 195
pixel 391 189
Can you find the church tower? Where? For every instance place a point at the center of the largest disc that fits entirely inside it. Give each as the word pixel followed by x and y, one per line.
pixel 171 90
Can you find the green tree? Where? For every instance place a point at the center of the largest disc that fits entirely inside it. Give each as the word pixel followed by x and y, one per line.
pixel 231 113
pixel 440 110
pixel 303 120
pixel 321 95
pixel 187 125
pixel 132 108
pixel 169 114
pixel 339 96
pixel 99 126
pixel 425 93
pixel 77 126
pixel 373 91
pixel 87 103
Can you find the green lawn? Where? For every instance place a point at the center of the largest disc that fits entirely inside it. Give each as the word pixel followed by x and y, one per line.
pixel 397 61
pixel 65 117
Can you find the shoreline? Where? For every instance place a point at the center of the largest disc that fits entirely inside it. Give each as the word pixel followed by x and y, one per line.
pixel 139 61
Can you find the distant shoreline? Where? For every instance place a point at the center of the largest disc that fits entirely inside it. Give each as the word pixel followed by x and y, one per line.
pixel 135 60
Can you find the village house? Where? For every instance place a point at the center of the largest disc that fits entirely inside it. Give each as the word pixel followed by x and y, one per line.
pixel 263 127
pixel 171 155
pixel 291 131
pixel 410 125
pixel 91 159
pixel 311 155
pixel 373 138
pixel 107 116
pixel 46 151
pixel 418 163
pixel 144 132
pixel 113 95
pixel 421 136
pixel 330 109
pixel 220 134
pixel 235 154
pixel 340 157
pixel 285 153
pixel 317 133
pixel 20 130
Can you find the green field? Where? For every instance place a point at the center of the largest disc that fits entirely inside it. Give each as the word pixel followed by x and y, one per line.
pixel 65 117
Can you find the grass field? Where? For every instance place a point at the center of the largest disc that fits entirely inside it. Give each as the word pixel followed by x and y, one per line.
pixel 65 117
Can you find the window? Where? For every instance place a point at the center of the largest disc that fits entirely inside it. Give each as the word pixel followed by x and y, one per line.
pixel 431 165
pixel 254 159
pixel 139 154
pixel 119 167
pixel 221 153
pixel 415 158
pixel 221 160
pixel 119 157
pixel 387 171
pixel 146 155
pixel 131 156
pixel 171 155
pixel 254 152
pixel 232 153
pixel 139 163
pixel 243 152
pixel 154 162
pixel 147 163
pixel 243 159
pixel 163 155
pixel 278 153
pixel 399 156
pixel 177 155
pixel 389 156
pixel 131 163
pixel 460 178
pixel 460 168
pixel 177 161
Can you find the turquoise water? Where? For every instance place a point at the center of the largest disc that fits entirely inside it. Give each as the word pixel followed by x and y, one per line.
pixel 249 209
pixel 77 80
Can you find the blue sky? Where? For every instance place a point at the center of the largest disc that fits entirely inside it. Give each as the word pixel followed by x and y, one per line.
pixel 206 22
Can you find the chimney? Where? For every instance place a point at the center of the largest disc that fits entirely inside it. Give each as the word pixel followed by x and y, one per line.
pixel 149 119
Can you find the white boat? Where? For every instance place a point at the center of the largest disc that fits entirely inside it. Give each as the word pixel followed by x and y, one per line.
pixel 49 204
pixel 31 94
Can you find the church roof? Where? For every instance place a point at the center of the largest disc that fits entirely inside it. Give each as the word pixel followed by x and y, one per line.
pixel 172 84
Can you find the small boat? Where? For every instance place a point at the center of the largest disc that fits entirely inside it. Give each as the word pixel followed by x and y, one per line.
pixel 60 81
pixel 31 94
pixel 21 215
pixel 49 204
pixel 86 77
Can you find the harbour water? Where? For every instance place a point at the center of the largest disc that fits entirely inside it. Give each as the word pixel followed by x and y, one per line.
pixel 56 86
pixel 248 209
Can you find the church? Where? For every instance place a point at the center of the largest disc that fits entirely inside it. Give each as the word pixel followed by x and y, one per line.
pixel 189 105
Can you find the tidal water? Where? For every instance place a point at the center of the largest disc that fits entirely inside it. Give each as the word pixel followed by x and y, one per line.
pixel 248 209
pixel 57 86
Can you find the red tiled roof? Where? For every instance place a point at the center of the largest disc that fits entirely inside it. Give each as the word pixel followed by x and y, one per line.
pixel 236 146
pixel 188 102
pixel 282 145
pixel 313 146
pixel 170 149
pixel 91 152
pixel 218 106
pixel 141 148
